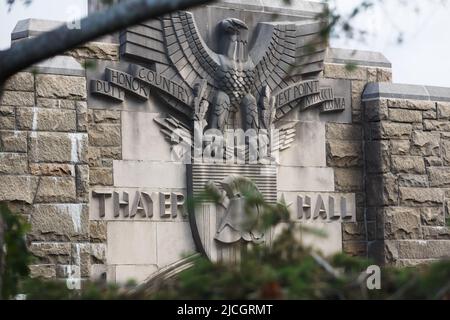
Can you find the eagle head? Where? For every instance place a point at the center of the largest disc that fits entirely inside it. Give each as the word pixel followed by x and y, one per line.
pixel 234 39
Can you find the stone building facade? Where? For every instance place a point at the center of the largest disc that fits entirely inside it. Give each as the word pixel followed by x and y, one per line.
pixel 60 148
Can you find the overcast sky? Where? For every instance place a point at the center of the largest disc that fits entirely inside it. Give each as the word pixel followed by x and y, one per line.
pixel 422 58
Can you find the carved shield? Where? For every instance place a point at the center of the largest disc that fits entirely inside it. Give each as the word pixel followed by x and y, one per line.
pixel 214 226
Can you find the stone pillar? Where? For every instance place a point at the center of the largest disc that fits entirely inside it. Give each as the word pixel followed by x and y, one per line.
pixel 345 141
pixel 407 172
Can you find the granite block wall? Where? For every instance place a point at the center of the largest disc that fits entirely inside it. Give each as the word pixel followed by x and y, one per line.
pixel 43 166
pixel 407 176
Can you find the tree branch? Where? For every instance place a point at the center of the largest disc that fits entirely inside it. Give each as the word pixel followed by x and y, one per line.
pixel 28 52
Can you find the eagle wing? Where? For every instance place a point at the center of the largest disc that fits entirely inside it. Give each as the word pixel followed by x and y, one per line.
pixel 178 135
pixel 284 136
pixel 174 44
pixel 287 52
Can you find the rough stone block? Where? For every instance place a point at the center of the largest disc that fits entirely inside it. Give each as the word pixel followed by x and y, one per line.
pixel 82 116
pixel 402 223
pixel 7 123
pixel 6 111
pixel 423 105
pixel 7 118
pixel 18 188
pixel 114 153
pixel 408 164
pixel 106 116
pixel 98 252
pixel 433 161
pixel 17 98
pixel 400 147
pixel 57 103
pixel 377 156
pixel 384 75
pixel 101 177
pixel 432 249
pixel 105 136
pixel 97 231
pixel 56 190
pixel 355 248
pixel 443 110
pixel 82 180
pixel 439 176
pixel 390 130
pixel 344 154
pixel 13 141
pixel 51 252
pixel 59 222
pixel 357 90
pixel 382 190
pixel 60 87
pixel 376 110
pixel 58 147
pixel 43 271
pixel 446 151
pixel 348 180
pixel 421 196
pixel 52 169
pixel 436 125
pixel 408 263
pixel 13 163
pixel 425 143
pixel 390 251
pixel 39 119
pixel 341 71
pixel 22 81
pixel 94 157
pixel 429 115
pixel 353 231
pixel 81 257
pixel 413 181
pixel 340 131
pixel 433 216
pixel 436 233
pixel 404 115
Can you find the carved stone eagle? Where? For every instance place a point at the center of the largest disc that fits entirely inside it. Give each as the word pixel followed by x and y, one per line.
pixel 238 77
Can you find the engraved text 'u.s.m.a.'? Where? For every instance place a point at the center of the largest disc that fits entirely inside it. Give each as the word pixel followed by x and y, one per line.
pixel 139 204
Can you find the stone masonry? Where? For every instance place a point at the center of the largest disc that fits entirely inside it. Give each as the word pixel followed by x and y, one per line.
pixel 407 176
pixel 43 165
pixel 52 150
pixel 345 150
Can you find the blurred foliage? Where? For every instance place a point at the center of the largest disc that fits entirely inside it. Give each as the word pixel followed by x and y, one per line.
pixel 15 254
pixel 285 270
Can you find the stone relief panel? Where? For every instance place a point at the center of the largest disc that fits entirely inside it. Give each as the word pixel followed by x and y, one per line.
pixel 172 86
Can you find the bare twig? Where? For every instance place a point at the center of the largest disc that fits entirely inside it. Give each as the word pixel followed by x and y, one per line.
pixel 28 52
